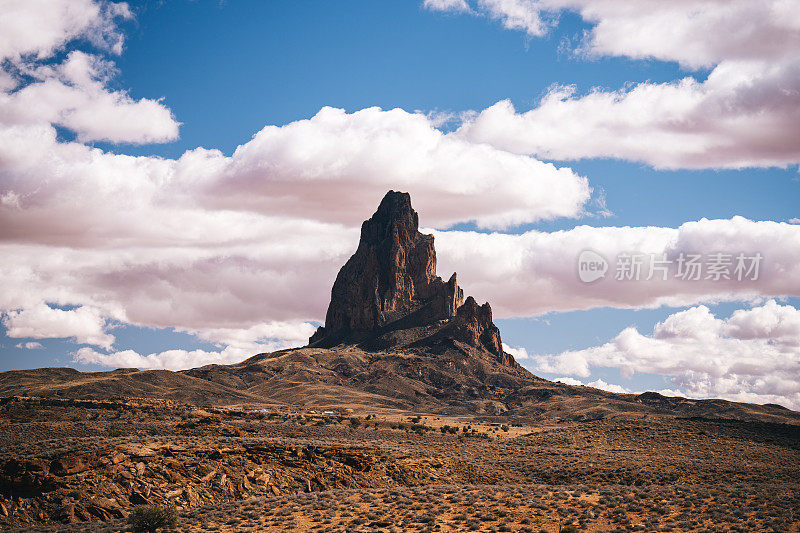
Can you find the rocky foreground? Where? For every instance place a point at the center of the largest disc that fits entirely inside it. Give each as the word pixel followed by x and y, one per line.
pixel 79 467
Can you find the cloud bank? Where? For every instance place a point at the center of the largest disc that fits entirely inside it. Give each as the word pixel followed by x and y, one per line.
pixel 742 115
pixel 537 272
pixel 752 356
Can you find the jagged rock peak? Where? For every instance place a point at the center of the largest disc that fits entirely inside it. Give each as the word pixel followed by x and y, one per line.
pixel 392 277
pixel 473 325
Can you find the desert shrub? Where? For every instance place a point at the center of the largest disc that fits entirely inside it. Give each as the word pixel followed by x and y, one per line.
pixel 355 422
pixel 149 518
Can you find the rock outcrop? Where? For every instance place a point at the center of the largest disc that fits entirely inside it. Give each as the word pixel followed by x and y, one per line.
pixel 390 281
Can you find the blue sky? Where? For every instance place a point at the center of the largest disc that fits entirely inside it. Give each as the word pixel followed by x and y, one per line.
pixel 226 70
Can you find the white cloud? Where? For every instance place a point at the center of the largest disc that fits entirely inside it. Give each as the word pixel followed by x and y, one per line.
pixel 168 359
pixel 695 33
pixel 284 334
pixel 30 346
pixel 73 94
pixel 85 325
pixel 455 6
pixel 40 27
pixel 518 353
pixel 516 15
pixel 212 241
pixel 236 345
pixel 537 272
pixel 780 324
pixel 742 115
pixel 521 15
pixel 331 165
pixel 597 384
pixel 753 356
pixel 610 387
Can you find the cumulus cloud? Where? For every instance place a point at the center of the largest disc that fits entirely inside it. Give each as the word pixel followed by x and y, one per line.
pixel 752 356
pixel 537 272
pixel 516 15
pixel 299 168
pixel 40 27
pixel 73 94
pixel 610 387
pixel 166 360
pixel 669 31
pixel 597 384
pixel 455 6
pixel 518 353
pixel 85 325
pixel 281 334
pixel 236 344
pixel 741 115
pixel 568 381
pixel 523 15
pixel 208 240
pixel 30 346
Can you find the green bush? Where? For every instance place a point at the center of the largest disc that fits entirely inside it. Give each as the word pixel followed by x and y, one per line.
pixel 149 518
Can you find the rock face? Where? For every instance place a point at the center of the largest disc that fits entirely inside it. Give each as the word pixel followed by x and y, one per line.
pixel 390 281
pixel 473 325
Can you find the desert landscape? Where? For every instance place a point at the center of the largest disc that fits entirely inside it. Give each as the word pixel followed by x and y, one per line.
pixel 403 413
pixel 369 266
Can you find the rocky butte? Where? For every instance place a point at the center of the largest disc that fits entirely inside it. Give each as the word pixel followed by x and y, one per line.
pixel 390 284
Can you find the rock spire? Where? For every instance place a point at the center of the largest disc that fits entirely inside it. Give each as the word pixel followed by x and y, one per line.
pixel 391 279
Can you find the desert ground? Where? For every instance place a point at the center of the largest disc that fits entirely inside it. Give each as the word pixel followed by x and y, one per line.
pixel 72 465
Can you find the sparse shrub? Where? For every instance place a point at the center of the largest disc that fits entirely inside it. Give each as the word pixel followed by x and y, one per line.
pixel 149 518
